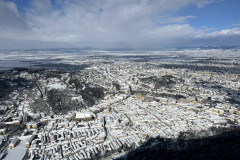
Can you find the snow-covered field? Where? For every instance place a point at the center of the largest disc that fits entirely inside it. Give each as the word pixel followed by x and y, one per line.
pixel 12 59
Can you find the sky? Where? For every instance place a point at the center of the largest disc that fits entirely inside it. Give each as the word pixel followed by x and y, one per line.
pixel 137 24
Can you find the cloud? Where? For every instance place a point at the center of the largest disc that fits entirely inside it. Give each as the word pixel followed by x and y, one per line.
pixel 10 18
pixel 224 35
pixel 103 23
pixel 40 7
pixel 163 20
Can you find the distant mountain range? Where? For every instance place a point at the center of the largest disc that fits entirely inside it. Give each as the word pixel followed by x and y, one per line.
pixel 127 49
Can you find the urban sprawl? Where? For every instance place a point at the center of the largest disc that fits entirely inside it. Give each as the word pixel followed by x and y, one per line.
pixel 103 106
